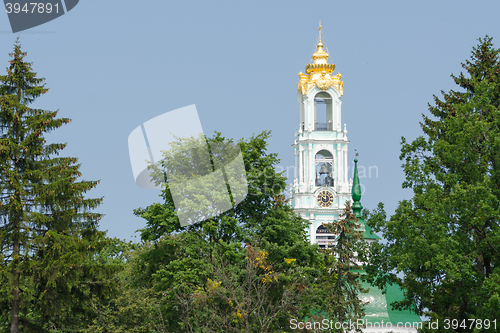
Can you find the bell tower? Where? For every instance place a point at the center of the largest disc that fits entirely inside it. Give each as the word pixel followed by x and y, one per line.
pixel 320 188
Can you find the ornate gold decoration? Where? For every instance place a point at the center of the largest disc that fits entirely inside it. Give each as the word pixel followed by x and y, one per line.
pixel 323 81
pixel 320 72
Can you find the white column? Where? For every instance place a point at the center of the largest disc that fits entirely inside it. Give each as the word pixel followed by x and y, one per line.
pixel 311 166
pixel 340 175
pixel 306 114
pixel 345 164
pixel 296 171
pixel 301 165
pixel 310 106
pixel 315 115
pixel 339 112
pixel 337 116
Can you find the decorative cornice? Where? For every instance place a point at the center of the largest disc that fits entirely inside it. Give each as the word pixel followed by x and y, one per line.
pixel 338 141
pixel 320 68
pixel 322 211
pixel 321 80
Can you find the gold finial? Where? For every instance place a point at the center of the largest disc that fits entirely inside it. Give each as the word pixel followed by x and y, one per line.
pixel 319 29
pixel 320 56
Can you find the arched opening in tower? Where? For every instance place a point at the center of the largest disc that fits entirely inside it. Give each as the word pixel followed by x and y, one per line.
pixel 324 238
pixel 324 168
pixel 323 115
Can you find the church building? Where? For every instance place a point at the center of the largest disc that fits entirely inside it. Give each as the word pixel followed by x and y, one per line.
pixel 322 185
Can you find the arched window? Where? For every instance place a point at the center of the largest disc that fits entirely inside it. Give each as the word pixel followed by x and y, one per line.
pixel 324 168
pixel 324 237
pixel 323 114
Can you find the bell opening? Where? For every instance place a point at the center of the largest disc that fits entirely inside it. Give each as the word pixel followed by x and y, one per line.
pixel 324 168
pixel 323 115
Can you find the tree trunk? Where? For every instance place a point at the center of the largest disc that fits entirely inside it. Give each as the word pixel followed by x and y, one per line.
pixel 14 314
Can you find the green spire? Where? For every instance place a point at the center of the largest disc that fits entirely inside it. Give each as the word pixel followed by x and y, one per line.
pixel 356 191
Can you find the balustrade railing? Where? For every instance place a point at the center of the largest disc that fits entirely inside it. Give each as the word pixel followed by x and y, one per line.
pixel 323 126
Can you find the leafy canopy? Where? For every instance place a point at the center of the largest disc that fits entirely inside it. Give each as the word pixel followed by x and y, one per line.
pixel 247 267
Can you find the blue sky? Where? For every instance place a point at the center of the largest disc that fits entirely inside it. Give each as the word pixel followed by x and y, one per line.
pixel 112 65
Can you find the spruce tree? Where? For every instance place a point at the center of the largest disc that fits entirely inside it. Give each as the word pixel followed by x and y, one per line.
pixel 344 261
pixel 445 240
pixel 48 232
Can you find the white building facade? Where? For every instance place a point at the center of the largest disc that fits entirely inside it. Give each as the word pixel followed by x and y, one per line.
pixel 321 186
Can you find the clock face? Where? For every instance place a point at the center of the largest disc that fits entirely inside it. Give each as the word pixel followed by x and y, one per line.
pixel 325 198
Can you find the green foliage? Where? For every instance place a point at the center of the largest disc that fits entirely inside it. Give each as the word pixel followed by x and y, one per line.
pixel 445 240
pixel 48 232
pixel 248 296
pixel 131 309
pixel 250 268
pixel 185 262
pixel 338 287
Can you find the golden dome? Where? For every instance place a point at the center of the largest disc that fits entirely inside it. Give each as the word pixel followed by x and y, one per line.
pixel 320 72
pixel 320 58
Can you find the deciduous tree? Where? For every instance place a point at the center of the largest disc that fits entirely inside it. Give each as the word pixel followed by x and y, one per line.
pixel 187 259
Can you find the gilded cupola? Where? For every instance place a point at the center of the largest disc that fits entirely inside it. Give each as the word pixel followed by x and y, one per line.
pixel 320 72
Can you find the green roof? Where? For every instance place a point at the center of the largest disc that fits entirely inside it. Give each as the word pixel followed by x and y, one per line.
pixel 379 313
pixel 379 307
pixel 367 230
